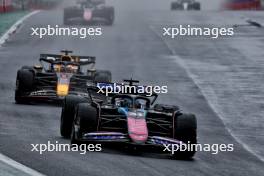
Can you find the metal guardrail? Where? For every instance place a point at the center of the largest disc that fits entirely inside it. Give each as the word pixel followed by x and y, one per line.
pixel 9 5
pixel 5 5
pixel 243 4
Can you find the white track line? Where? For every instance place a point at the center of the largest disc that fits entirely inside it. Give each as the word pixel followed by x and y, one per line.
pixel 4 158
pixel 18 166
pixel 14 27
pixel 182 63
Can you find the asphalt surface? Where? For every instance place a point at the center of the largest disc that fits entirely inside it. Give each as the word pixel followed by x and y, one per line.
pixel 192 69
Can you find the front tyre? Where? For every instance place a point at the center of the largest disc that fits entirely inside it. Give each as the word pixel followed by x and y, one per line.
pixel 85 121
pixel 67 114
pixel 86 117
pixel 197 6
pixel 185 130
pixel 74 140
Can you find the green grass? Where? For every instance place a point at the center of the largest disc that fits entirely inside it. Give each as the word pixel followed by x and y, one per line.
pixel 8 19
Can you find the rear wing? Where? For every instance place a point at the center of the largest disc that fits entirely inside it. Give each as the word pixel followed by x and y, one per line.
pixel 80 60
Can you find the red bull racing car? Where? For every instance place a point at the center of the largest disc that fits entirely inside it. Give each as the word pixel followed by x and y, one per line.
pixel 127 118
pixel 89 12
pixel 56 77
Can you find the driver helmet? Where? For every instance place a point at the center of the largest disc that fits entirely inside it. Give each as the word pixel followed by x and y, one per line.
pixel 126 103
pixel 139 104
pixel 66 58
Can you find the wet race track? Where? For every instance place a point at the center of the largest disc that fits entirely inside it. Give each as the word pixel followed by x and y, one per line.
pixel 219 80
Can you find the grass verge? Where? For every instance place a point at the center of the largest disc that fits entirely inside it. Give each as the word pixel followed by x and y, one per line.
pixel 8 19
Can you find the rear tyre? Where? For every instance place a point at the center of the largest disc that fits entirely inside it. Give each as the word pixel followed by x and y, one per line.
pixel 103 76
pixel 110 16
pixel 185 131
pixel 24 83
pixel 197 6
pixel 68 14
pixel 176 6
pixel 67 114
pixel 66 17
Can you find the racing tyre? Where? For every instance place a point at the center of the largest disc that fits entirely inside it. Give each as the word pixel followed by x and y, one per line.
pixel 197 6
pixel 185 131
pixel 66 17
pixel 67 114
pixel 103 76
pixel 28 67
pixel 74 140
pixel 166 108
pixel 86 118
pixel 110 16
pixel 24 83
pixel 176 6
pixel 68 14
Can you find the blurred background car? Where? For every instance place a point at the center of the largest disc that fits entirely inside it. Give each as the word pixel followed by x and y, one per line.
pixel 89 11
pixel 185 5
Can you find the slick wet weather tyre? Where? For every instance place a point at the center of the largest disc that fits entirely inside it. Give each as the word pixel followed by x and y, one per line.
pixel 87 117
pixel 186 131
pixel 24 83
pixel 67 15
pixel 65 18
pixel 197 6
pixel 103 76
pixel 67 114
pixel 110 17
pixel 74 141
pixel 176 6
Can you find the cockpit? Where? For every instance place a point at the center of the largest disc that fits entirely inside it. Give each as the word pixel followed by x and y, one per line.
pixel 65 68
pixel 66 65
pixel 131 101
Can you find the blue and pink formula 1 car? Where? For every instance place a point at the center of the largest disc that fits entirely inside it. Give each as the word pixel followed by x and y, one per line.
pixel 89 12
pixel 127 118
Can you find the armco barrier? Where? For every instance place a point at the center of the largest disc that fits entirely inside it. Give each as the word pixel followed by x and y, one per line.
pixel 243 4
pixel 5 5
